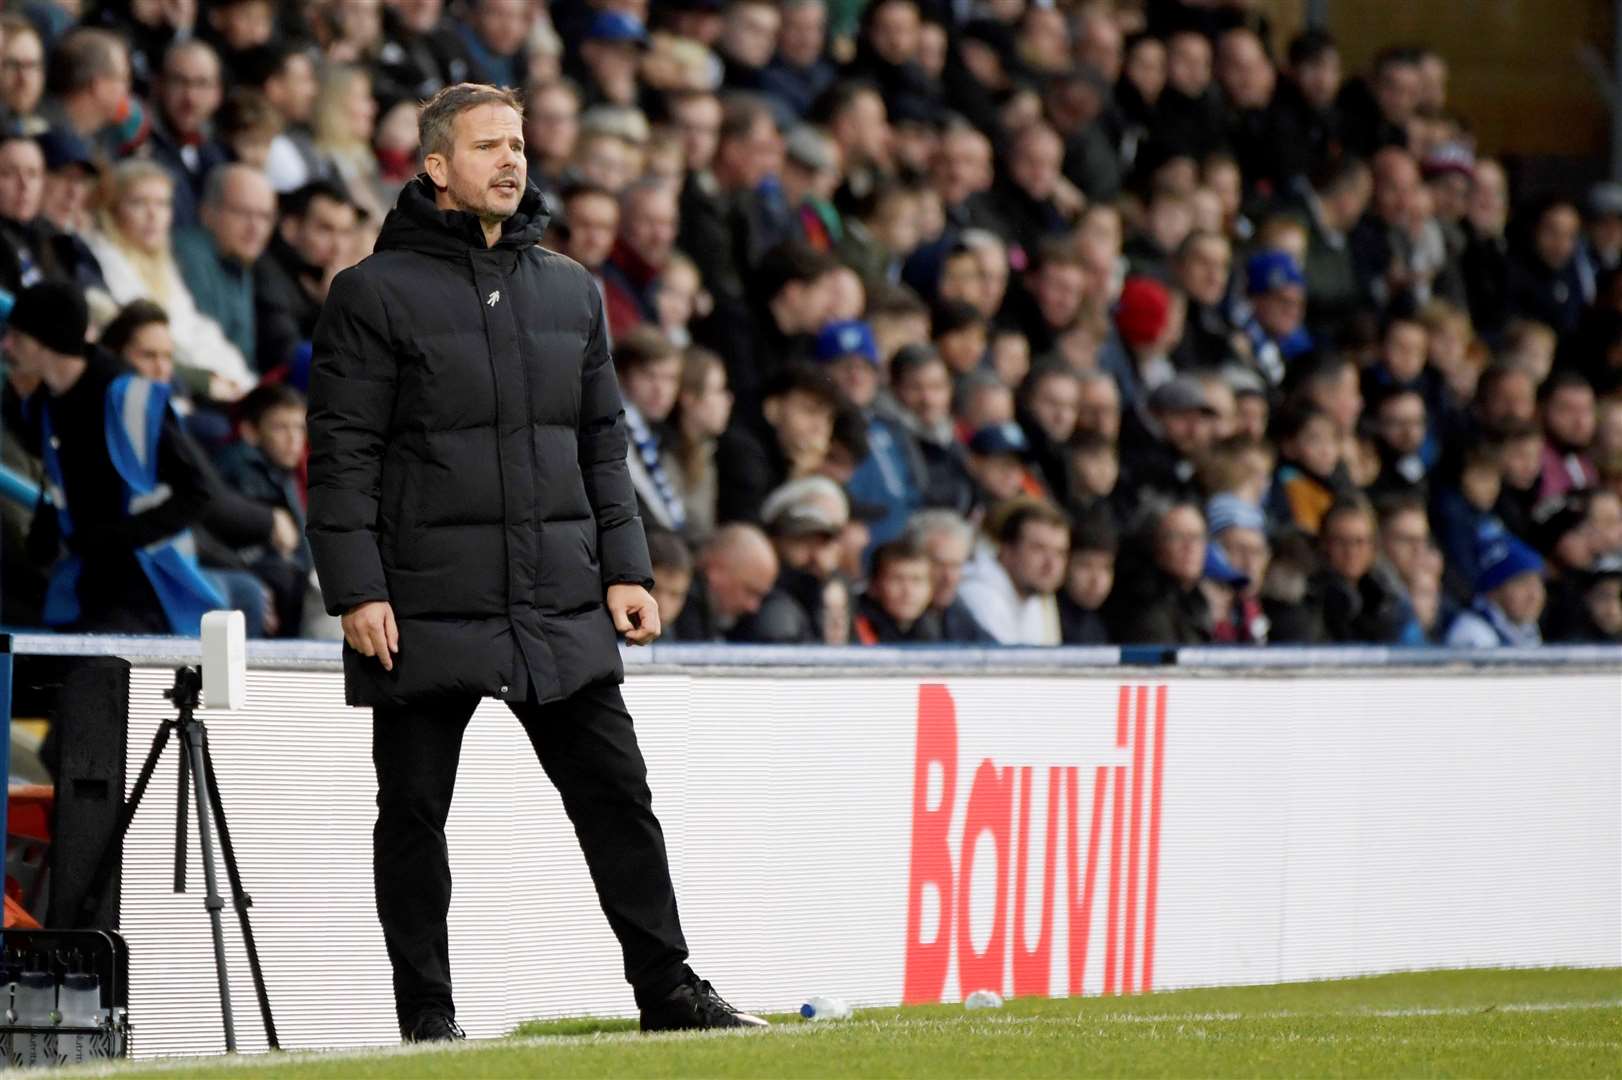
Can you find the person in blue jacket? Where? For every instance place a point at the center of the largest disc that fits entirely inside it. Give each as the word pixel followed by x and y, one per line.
pixel 123 481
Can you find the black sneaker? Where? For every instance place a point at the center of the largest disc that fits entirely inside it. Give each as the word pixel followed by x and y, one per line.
pixel 695 1005
pixel 433 1027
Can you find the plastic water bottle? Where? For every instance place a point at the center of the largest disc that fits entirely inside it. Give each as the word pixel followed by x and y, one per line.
pixel 825 1008
pixel 35 1000
pixel 79 1000
pixel 983 999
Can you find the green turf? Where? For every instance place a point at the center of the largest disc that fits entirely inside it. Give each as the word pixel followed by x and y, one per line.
pixel 1557 1023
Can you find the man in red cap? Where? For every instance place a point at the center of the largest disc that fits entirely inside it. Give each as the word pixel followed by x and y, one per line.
pixel 1148 322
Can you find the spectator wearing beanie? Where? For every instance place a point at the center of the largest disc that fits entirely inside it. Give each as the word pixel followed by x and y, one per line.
pixel 1148 321
pixel 1509 595
pixel 1276 327
pixel 122 562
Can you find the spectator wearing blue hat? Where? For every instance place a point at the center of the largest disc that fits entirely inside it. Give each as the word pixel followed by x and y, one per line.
pixel 1509 595
pixel 609 56
pixel 494 37
pixel 893 474
pixel 998 463
pixel 1239 550
pixel 1276 327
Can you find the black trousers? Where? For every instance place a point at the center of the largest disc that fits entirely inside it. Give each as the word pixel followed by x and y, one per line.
pixel 587 745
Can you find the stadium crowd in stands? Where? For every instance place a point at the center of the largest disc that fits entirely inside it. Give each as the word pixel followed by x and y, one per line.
pixel 979 321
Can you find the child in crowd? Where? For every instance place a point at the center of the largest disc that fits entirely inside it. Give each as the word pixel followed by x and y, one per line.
pixel 1509 595
pixel 895 608
pixel 1089 577
pixel 1463 508
pixel 1306 485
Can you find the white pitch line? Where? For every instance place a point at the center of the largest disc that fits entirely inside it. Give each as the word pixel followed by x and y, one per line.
pixel 990 1019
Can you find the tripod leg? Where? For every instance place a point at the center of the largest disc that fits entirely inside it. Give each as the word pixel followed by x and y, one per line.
pixel 91 904
pixel 192 732
pixel 182 794
pixel 239 896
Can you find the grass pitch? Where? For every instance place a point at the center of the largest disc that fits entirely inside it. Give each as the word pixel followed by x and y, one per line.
pixel 1557 1023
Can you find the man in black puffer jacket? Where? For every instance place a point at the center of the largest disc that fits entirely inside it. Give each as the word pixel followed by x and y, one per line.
pixel 474 526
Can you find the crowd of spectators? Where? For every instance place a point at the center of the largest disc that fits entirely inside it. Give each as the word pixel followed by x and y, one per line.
pixel 981 321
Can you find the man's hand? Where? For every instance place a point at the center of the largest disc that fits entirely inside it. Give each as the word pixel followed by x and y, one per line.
pixel 635 612
pixel 284 534
pixel 370 630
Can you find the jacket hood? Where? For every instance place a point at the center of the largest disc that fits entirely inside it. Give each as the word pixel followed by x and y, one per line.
pixel 417 224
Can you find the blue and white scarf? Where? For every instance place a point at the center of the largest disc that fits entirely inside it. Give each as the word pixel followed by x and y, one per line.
pixel 647 448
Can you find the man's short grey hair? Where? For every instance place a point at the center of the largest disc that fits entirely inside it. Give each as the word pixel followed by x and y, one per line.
pixel 648 185
pixel 982 240
pixel 437 119
pixel 1093 377
pixel 219 178
pixel 926 523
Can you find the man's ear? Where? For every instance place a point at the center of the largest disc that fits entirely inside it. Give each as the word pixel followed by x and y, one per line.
pixel 438 168
pixel 772 410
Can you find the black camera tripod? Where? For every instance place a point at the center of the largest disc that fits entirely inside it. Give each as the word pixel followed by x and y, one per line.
pixel 196 772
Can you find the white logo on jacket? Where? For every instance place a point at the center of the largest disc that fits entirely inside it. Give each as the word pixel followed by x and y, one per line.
pixel 493 299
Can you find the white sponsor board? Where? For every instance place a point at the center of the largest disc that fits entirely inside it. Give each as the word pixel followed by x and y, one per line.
pixel 887 838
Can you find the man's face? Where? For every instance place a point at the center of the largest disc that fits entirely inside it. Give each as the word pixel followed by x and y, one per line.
pixel 948 553
pixel 1189 431
pixel 241 224
pixel 1341 398
pixel 1180 546
pixel 962 166
pixel 1090 577
pixel 1249 553
pixel 743 162
pixel 1557 236
pixel 1396 91
pixel 67 198
pixel 1405 350
pixel 737 589
pixel 1001 476
pixel 803 422
pixel 1402 423
pixel 485 170
pixel 1521 597
pixel 653 387
pixel 242 26
pixel 22 73
pixel 1522 461
pixel 1059 289
pixel 926 393
pixel 297 88
pixel 1568 417
pixel 1250 416
pixel 1188 63
pixel 280 437
pixel 1055 405
pixel 1097 471
pixel 1405 540
pixel 749 33
pixel 1281 311
pixel 817 554
pixel 1604 602
pixel 322 236
pixel 593 220
pixel 190 89
pixel 1034 166
pixel 26 355
pixel 895 31
pixel 698 119
pixel 22 180
pixel 857 378
pixel 1348 543
pixel 1203 270
pixel 151 352
pixel 1035 561
pixel 650 225
pixel 804 27
pixel 502 24
pixel 903 589
pixel 613 67
pixel 1396 185
pixel 1512 399
pixel 1319 79
pixel 1246 74
pixel 1098 408
pixel 111 89
pixel 963 280
pixel 1605 522
pixel 552 124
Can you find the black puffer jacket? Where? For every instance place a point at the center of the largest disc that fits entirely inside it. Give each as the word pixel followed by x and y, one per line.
pixel 467 460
